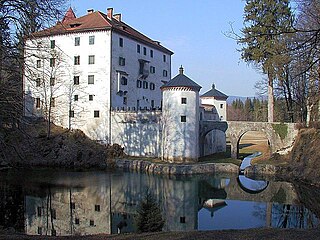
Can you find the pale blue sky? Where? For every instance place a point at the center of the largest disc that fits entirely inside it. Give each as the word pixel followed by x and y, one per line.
pixel 193 30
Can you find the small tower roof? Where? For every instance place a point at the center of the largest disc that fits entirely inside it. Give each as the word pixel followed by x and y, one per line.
pixel 213 92
pixel 69 16
pixel 181 80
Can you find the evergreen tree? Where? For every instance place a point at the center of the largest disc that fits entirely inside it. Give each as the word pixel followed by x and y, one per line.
pixel 265 21
pixel 149 217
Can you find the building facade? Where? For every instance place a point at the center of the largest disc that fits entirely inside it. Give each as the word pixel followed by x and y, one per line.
pixel 83 68
pixel 97 74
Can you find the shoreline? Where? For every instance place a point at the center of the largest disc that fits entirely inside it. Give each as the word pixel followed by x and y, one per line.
pixel 144 166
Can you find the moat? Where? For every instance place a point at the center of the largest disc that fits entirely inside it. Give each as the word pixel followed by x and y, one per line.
pixel 51 202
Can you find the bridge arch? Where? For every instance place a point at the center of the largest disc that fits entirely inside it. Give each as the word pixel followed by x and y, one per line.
pixel 237 129
pixel 242 134
pixel 207 127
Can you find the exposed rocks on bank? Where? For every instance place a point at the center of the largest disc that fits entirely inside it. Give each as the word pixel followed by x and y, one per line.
pixel 301 164
pixel 175 169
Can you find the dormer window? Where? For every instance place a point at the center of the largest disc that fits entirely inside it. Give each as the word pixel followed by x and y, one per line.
pixel 73 25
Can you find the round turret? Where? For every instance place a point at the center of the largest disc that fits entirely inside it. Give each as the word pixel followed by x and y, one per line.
pixel 180 119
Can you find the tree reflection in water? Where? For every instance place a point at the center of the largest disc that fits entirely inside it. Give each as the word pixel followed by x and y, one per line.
pixel 71 203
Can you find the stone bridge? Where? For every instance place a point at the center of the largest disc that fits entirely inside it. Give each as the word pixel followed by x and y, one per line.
pixel 279 135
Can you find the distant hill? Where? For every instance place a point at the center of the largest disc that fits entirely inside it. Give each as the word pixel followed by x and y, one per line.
pixel 230 99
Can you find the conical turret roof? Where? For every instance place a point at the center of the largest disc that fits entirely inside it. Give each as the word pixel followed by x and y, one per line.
pixel 181 80
pixel 213 92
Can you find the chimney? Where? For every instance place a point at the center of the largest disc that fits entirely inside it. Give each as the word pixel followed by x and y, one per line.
pixel 117 16
pixel 89 11
pixel 181 70
pixel 109 12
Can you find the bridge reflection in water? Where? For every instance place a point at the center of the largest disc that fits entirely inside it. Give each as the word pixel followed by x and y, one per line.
pixel 69 203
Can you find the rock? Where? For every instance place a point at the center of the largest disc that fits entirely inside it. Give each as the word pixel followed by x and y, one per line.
pixel 175 169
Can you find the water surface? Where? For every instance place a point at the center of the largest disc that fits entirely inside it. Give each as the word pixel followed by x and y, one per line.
pixel 78 203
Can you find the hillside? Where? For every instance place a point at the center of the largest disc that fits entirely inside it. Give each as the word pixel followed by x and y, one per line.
pixel 29 147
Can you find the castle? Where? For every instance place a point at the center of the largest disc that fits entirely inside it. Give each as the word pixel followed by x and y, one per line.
pixel 98 74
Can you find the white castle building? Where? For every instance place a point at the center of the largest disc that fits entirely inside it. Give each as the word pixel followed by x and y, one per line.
pixel 98 74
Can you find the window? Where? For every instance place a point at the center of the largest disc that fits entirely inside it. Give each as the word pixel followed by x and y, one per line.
pixel 145 84
pixel 76 80
pixel 183 100
pixel 138 48
pixel 37 102
pixel 139 83
pixel 121 42
pixel 122 61
pixel 40 230
pixel 182 219
pixel 124 100
pixel 90 79
pixel 90 97
pixel 165 73
pixel 144 51
pixel 91 40
pixel 38 63
pixel 143 68
pixel 152 103
pixel 221 105
pixel 76 221
pixel 38 82
pixel 91 59
pixel 72 205
pixel 52 102
pixel 124 81
pixel 52 44
pixel 164 58
pixel 53 232
pixel 71 113
pixel 152 86
pixel 53 214
pixel 91 223
pixel 97 208
pixel 52 81
pixel 77 41
pixel 96 113
pixel 183 118
pixel 152 69
pixel 76 60
pixel 39 211
pixel 151 53
pixel 76 97
pixel 52 62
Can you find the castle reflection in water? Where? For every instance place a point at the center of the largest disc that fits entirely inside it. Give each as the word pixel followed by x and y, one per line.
pixel 73 203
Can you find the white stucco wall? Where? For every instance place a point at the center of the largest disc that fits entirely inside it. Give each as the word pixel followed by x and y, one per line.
pixel 138 132
pixel 64 89
pixel 180 141
pixel 222 111
pixel 106 87
pixel 145 96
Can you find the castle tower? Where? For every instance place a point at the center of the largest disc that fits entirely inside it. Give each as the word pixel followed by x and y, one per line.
pixel 180 119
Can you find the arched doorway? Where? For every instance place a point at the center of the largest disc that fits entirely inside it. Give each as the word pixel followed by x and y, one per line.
pixel 252 142
pixel 213 142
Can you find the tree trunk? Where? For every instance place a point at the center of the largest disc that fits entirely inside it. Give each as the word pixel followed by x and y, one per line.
pixel 270 98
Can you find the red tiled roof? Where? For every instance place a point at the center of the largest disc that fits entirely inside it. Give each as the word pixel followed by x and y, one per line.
pixel 69 16
pixel 93 22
